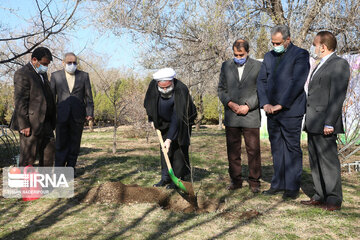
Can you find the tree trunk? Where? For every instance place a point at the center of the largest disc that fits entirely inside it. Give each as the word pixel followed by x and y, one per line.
pixel 220 114
pixel 309 19
pixel 200 112
pixel 115 128
pixel 91 125
pixel 276 11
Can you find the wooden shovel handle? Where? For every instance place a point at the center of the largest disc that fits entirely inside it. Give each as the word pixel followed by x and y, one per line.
pixel 163 149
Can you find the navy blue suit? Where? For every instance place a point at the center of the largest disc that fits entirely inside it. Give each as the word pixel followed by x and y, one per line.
pixel 281 81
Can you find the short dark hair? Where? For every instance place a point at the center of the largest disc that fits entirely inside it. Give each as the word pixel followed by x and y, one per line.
pixel 283 29
pixel 328 39
pixel 239 43
pixel 41 52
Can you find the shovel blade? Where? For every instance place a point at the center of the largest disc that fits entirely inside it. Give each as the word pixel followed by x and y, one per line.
pixel 177 181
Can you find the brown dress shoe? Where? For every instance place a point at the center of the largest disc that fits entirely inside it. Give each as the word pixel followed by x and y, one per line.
pixel 233 186
pixel 255 189
pixel 312 202
pixel 330 207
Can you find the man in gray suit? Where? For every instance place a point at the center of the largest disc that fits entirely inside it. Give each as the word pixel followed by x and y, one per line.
pixel 238 93
pixel 34 114
pixel 72 90
pixel 326 95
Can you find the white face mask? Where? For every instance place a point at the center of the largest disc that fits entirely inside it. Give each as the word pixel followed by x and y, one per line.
pixel 313 53
pixel 70 68
pixel 167 91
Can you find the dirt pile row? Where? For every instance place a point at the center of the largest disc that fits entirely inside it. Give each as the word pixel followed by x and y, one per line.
pixel 119 193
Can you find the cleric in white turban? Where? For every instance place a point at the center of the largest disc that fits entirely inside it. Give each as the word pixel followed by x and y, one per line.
pixel 170 109
pixel 164 74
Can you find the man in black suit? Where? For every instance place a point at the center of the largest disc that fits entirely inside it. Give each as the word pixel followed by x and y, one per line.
pixel 72 90
pixel 323 121
pixel 237 91
pixel 34 114
pixel 170 109
pixel 281 93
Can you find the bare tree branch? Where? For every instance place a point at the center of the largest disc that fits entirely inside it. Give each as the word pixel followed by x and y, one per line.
pixel 47 32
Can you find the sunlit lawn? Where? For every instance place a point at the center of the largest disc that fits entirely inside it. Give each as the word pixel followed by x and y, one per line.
pixel 137 162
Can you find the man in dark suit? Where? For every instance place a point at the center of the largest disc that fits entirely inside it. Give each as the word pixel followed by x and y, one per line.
pixel 72 90
pixel 237 91
pixel 34 114
pixel 281 93
pixel 326 95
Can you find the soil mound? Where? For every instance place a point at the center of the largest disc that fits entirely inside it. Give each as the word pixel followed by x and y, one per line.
pixel 117 192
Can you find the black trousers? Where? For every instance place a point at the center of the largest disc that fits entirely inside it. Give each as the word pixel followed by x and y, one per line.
pixel 42 145
pixel 68 139
pixel 179 159
pixel 325 168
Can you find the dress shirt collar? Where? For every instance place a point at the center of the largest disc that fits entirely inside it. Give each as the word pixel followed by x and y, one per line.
pixel 34 68
pixel 326 58
pixel 42 79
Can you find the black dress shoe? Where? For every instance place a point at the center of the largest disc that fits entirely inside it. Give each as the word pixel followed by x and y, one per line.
pixel 161 183
pixel 272 191
pixel 171 186
pixel 289 194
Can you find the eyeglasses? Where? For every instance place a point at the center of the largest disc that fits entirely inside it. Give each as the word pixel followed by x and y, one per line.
pixel 71 63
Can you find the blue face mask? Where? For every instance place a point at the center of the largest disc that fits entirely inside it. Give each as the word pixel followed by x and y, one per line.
pixel 41 69
pixel 240 61
pixel 279 49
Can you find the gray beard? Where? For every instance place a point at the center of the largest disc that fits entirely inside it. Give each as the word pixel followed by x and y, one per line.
pixel 167 95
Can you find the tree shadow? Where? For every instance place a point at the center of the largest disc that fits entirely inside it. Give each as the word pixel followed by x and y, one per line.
pixel 56 212
pixel 356 187
pixel 87 150
pixel 16 213
pixel 125 229
pixel 117 168
pixel 64 208
pixel 59 210
pixel 306 184
pixel 208 134
pixel 119 178
pixel 199 174
pixel 172 221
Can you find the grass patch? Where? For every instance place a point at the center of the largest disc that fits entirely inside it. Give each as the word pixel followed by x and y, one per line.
pixel 137 161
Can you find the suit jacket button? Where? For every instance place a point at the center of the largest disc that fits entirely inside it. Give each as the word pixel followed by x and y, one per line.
pixel 308 105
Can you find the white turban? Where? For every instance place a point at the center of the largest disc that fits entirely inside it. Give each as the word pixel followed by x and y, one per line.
pixel 164 74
